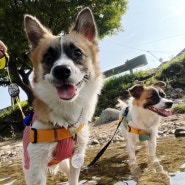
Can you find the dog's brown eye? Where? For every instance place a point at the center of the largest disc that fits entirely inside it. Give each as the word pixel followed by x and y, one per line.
pixel 151 97
pixel 77 53
pixel 51 55
pixel 163 95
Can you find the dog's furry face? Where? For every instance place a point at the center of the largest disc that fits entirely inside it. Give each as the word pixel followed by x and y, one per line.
pixel 152 98
pixel 64 63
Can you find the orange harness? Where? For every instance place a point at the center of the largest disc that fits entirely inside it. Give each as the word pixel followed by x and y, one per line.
pixel 52 135
pixel 65 139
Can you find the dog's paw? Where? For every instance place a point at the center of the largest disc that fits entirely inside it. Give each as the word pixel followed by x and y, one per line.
pixel 158 167
pixel 149 170
pixel 155 167
pixel 135 171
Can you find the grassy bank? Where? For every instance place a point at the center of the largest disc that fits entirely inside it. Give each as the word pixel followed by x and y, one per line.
pixel 171 72
pixel 11 121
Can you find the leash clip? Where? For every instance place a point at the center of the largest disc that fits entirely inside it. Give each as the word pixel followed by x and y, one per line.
pixel 125 112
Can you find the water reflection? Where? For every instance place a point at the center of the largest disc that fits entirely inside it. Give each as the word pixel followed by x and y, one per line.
pixel 111 169
pixel 177 178
pixel 10 183
pixel 130 182
pixel 5 179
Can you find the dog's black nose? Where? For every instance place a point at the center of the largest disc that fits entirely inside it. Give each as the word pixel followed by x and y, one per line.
pixel 62 72
pixel 169 104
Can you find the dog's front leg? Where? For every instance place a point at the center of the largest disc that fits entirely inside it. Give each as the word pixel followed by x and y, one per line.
pixel 131 147
pixel 82 140
pixel 74 175
pixel 75 166
pixel 152 149
pixel 153 161
pixel 131 141
pixel 39 157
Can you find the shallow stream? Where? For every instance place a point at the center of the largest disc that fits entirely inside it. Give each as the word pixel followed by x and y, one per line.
pixel 111 169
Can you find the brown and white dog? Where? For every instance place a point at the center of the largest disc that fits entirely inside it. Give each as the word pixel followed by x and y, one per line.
pixel 66 82
pixel 146 106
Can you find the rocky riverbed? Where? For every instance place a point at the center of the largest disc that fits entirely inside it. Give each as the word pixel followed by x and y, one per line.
pixel 112 168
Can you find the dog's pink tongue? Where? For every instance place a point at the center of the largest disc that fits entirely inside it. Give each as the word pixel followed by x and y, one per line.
pixel 166 113
pixel 66 91
pixel 162 112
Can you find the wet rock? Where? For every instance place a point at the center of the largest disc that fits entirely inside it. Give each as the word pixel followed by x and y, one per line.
pixel 179 101
pixel 91 182
pixel 108 115
pixel 10 152
pixel 180 132
pixel 94 142
pixel 178 90
pixel 174 93
pixel 171 131
pixel 160 133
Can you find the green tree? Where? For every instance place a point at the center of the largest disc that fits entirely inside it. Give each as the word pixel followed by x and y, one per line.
pixel 58 15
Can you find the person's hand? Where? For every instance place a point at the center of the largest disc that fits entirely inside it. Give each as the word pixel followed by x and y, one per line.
pixel 2 47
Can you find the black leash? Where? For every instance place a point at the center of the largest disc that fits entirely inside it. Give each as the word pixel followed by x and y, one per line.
pixel 106 146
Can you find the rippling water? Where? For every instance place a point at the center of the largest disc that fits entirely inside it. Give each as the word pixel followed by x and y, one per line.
pixel 111 169
pixel 176 179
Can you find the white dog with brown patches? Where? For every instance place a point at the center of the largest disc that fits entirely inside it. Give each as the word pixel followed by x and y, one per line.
pixel 66 83
pixel 141 121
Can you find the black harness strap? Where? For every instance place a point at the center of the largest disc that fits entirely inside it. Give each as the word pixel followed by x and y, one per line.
pixel 106 146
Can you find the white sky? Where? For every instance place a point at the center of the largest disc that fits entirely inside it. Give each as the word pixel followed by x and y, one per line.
pixel 155 26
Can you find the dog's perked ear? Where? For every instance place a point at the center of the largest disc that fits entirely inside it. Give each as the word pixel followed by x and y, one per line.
pixel 160 84
pixel 136 91
pixel 34 30
pixel 86 25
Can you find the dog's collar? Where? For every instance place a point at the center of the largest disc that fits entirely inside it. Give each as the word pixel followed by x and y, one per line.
pixel 126 117
pixel 53 135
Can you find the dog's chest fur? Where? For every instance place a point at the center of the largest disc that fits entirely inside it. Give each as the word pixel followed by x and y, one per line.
pixel 143 118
